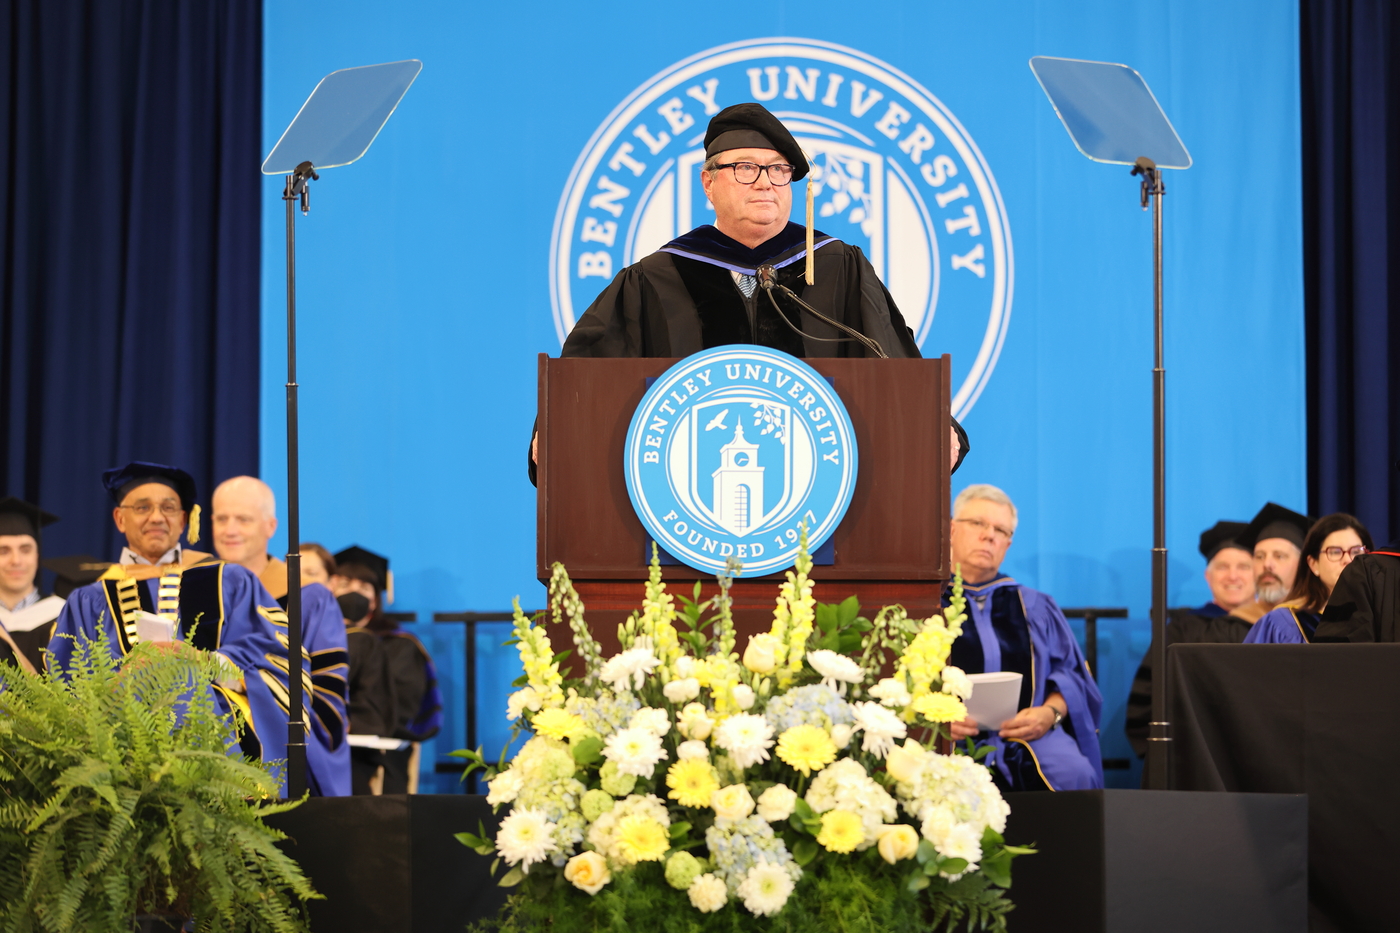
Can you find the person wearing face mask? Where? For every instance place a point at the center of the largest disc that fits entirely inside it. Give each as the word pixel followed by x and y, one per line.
pixel 371 705
pixel 1333 543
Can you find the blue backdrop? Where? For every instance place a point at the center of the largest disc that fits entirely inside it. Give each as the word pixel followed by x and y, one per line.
pixel 425 271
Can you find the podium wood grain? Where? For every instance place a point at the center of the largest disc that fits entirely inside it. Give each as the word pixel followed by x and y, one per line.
pixel 891 547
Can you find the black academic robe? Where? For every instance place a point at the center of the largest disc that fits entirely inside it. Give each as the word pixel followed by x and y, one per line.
pixel 1188 629
pixel 371 705
pixel 683 299
pixel 1365 605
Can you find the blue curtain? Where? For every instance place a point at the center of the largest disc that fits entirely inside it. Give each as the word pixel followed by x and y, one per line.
pixel 1351 116
pixel 129 192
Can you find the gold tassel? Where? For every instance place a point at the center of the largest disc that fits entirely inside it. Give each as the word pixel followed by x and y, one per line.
pixel 193 532
pixel 811 264
pixel 389 588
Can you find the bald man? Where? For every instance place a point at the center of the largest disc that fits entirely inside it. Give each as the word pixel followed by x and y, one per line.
pixel 245 519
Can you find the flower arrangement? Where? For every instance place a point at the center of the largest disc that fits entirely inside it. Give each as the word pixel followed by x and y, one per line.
pixel 683 784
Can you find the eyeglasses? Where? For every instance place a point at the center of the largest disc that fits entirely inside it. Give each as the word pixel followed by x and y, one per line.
pixel 168 509
pixel 1336 553
pixel 746 173
pixel 983 527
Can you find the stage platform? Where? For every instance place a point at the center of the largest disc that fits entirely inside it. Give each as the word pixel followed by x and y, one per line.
pixel 1109 861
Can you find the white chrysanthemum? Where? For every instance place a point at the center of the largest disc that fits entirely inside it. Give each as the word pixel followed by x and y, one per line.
pixel 520 701
pixel 635 751
pixel 683 690
pixel 525 837
pixel 505 787
pixel 651 719
pixel 746 737
pixel 891 691
pixel 963 841
pixel 776 803
pixel 707 893
pixel 956 683
pixel 765 889
pixel 692 749
pixel 834 668
pixel 881 728
pixel 743 696
pixel 630 668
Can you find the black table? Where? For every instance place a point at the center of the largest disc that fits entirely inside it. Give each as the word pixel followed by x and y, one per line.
pixel 1321 720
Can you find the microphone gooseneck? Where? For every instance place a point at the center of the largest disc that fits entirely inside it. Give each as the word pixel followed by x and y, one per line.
pixel 768 280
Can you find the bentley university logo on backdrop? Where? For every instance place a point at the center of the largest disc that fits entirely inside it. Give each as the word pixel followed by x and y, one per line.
pixel 894 172
pixel 732 450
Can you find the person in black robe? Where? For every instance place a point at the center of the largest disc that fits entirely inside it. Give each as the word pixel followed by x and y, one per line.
pixel 1207 626
pixel 1365 604
pixel 26 617
pixel 703 290
pixel 371 705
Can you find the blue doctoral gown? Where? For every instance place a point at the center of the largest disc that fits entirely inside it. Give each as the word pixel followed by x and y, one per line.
pixel 222 607
pixel 1015 628
pixel 323 640
pixel 1283 626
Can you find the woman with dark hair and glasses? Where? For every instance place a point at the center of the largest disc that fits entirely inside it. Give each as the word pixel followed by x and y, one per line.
pixel 1333 542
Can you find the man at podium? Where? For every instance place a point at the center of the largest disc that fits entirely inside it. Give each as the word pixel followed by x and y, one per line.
pixel 703 289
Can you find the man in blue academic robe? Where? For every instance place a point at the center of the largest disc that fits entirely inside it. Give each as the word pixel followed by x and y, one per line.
pixel 212 605
pixel 245 519
pixel 1052 743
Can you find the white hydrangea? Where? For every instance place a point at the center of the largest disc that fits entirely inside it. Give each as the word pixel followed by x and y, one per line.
pixel 631 667
pixel 834 668
pixel 651 719
pixel 765 889
pixel 891 691
pixel 844 785
pixel 881 727
pixel 956 683
pixel 952 796
pixel 707 893
pixel 505 787
pixel 634 751
pixel 746 737
pixel 525 837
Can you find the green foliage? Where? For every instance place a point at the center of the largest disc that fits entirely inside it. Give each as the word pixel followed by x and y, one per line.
pixel 118 797
pixel 861 894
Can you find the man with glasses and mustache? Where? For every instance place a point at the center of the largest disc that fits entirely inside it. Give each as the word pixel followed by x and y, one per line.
pixel 1052 743
pixel 702 290
pixel 204 603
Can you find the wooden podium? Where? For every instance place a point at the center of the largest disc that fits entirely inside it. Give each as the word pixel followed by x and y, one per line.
pixel 892 546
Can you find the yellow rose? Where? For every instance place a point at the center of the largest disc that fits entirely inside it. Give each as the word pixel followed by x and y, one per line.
pixel 732 802
pixel 761 656
pixel 903 762
pixel 587 871
pixel 898 842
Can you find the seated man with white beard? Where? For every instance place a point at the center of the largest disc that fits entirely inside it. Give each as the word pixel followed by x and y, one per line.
pixel 1053 742
pixel 245 519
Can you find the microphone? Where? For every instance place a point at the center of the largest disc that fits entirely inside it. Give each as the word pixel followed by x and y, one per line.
pixel 768 281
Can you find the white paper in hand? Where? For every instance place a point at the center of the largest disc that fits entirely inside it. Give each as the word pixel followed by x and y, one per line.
pixel 151 627
pixel 995 698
